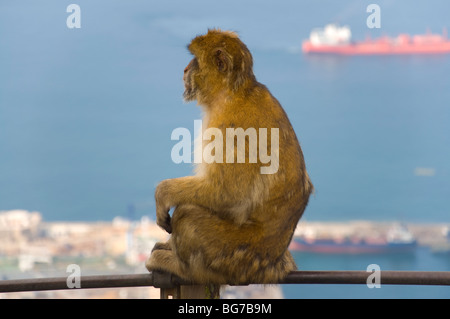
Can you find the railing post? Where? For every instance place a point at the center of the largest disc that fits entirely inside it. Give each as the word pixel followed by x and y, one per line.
pixel 170 293
pixel 191 292
pixel 172 287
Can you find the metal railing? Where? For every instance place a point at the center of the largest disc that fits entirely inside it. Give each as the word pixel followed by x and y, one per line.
pixel 166 281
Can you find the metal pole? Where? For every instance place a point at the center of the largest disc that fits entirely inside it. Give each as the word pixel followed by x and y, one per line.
pixel 360 277
pixel 59 283
pixel 167 281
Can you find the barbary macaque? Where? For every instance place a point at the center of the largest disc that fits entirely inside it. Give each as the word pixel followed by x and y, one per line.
pixel 232 223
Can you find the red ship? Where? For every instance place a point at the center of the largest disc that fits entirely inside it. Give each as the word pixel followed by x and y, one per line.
pixel 337 40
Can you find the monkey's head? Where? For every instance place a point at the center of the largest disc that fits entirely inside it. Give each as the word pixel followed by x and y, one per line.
pixel 221 63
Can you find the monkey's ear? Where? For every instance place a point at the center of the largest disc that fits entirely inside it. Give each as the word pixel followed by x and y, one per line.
pixel 222 60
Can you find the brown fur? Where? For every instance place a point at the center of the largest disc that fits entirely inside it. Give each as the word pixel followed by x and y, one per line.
pixel 232 224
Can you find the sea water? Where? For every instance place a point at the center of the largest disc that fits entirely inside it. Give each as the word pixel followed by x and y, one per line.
pixel 421 260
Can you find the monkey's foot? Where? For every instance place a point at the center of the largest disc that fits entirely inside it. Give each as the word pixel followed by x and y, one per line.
pixel 164 260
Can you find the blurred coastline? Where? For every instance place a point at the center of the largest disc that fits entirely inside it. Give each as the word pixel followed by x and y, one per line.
pixel 31 247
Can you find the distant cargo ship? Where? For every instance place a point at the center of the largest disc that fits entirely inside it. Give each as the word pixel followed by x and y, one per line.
pixel 397 240
pixel 337 40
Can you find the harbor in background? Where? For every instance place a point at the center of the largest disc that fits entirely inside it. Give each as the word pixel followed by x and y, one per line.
pixel 31 247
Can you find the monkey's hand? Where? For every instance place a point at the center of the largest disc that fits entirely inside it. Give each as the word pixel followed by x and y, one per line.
pixel 163 205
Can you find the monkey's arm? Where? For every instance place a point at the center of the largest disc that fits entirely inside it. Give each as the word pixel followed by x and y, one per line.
pixel 193 190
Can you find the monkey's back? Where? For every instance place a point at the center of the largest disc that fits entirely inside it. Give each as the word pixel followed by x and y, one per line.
pixel 255 249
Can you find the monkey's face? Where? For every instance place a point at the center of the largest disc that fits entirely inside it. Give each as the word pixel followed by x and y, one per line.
pixel 190 87
pixel 222 64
